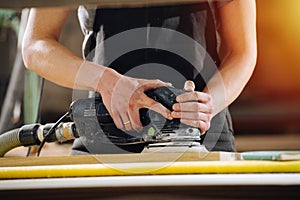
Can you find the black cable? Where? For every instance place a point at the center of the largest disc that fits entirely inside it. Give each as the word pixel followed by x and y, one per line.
pixel 28 151
pixel 38 116
pixel 50 132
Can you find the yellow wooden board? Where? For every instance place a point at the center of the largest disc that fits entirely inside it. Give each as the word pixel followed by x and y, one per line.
pixel 156 168
pixel 138 164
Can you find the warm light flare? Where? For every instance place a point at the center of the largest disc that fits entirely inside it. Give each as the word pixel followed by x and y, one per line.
pixel 278 66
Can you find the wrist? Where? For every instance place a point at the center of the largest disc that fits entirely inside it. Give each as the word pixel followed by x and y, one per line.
pixel 107 81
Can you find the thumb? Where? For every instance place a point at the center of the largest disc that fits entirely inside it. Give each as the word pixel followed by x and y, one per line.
pixel 189 86
pixel 157 107
pixel 153 84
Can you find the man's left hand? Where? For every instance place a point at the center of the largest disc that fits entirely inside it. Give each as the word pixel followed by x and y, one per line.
pixel 194 108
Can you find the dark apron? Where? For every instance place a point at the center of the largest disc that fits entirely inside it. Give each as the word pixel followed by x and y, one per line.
pixel 163 36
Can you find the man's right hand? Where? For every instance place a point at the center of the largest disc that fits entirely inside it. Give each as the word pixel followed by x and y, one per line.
pixel 124 96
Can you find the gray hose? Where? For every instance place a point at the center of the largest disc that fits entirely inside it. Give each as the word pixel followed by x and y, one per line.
pixel 9 140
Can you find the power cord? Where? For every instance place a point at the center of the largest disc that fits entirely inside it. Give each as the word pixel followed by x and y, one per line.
pixel 51 130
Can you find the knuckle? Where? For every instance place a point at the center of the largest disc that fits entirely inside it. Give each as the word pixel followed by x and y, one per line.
pixel 131 103
pixel 197 95
pixel 157 81
pixel 198 115
pixel 199 124
pixel 210 108
pixel 207 118
pixel 191 83
pixel 198 107
pixel 208 97
pixel 203 126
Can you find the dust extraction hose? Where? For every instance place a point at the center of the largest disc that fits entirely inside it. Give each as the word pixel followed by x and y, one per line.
pixel 9 140
pixel 33 134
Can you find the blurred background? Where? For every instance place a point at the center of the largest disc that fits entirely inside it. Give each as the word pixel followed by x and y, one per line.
pixel 267 114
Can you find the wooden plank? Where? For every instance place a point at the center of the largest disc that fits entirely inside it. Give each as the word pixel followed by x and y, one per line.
pixel 152 168
pixel 118 158
pixel 17 4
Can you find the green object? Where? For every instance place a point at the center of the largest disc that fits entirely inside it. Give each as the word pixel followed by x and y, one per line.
pixel 151 131
pixel 271 155
pixel 31 97
pixel 9 19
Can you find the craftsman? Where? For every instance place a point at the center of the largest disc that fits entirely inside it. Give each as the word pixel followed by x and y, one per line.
pixel 225 29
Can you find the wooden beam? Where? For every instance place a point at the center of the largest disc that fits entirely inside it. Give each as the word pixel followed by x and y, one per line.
pixel 150 168
pixel 119 158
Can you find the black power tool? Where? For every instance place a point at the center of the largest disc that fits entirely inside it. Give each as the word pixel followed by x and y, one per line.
pixel 93 120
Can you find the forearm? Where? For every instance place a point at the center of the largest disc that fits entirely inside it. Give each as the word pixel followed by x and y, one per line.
pixel 238 52
pixel 43 54
pixel 57 64
pixel 228 83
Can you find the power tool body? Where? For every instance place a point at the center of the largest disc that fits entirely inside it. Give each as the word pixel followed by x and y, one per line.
pixel 93 120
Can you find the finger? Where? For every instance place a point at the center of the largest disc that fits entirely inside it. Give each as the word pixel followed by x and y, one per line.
pixel 135 120
pixel 203 126
pixel 117 121
pixel 157 107
pixel 189 86
pixel 126 122
pixel 192 107
pixel 194 96
pixel 192 116
pixel 137 126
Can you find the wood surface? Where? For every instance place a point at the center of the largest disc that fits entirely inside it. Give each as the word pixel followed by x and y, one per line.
pixel 149 168
pixel 138 164
pixel 118 158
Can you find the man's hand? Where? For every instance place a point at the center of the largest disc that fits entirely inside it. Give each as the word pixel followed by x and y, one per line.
pixel 124 96
pixel 194 108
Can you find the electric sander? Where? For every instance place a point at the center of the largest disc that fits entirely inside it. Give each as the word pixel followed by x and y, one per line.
pixel 92 120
